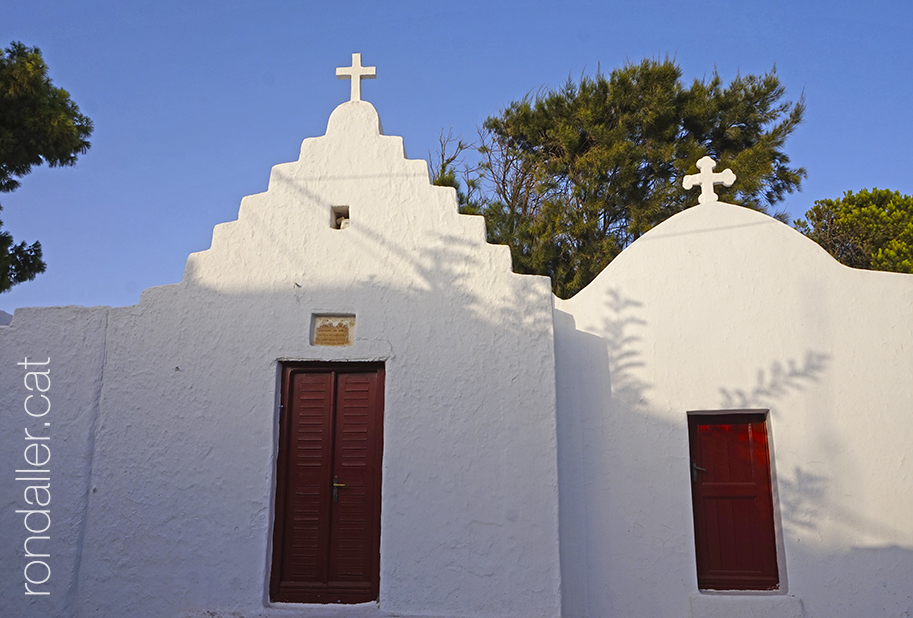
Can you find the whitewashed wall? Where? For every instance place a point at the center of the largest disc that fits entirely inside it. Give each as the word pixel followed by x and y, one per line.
pixel 721 307
pixel 73 339
pixel 180 496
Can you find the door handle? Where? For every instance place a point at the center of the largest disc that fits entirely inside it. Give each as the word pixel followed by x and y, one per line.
pixel 336 486
pixel 694 470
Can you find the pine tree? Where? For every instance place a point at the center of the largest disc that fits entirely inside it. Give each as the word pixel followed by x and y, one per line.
pixel 869 229
pixel 38 124
pixel 572 176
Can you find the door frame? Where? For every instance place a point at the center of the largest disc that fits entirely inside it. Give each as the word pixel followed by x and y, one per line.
pixel 279 503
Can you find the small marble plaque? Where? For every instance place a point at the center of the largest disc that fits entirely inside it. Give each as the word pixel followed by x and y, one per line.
pixel 333 330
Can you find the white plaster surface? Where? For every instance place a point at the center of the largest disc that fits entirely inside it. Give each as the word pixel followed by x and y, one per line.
pixel 722 308
pixel 180 504
pixel 744 606
pixel 73 338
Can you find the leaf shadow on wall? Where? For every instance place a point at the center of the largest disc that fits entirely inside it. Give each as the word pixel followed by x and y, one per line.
pixel 776 382
pixel 603 453
pixel 836 546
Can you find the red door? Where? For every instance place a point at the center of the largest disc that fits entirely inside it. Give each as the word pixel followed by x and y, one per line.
pixel 733 509
pixel 326 537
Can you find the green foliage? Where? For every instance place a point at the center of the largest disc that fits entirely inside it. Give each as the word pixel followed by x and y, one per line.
pixel 18 263
pixel 572 176
pixel 869 229
pixel 38 124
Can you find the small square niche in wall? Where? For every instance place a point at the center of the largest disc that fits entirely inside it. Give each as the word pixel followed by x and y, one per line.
pixel 340 217
pixel 332 330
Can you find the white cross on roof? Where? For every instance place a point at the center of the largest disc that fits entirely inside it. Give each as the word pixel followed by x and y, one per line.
pixel 707 179
pixel 356 73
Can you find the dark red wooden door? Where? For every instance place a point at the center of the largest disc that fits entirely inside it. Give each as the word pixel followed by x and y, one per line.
pixel 733 509
pixel 326 539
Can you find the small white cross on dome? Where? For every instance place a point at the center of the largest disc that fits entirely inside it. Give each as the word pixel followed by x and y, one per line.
pixel 707 179
pixel 356 73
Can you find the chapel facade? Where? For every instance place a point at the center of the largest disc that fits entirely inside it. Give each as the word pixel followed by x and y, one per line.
pixel 351 406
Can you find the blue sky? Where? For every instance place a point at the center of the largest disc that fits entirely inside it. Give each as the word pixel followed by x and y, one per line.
pixel 194 102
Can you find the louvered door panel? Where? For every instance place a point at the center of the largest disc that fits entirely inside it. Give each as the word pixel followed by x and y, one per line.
pixel 310 475
pixel 352 532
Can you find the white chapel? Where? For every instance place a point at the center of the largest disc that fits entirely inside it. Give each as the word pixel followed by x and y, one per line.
pixel 350 406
